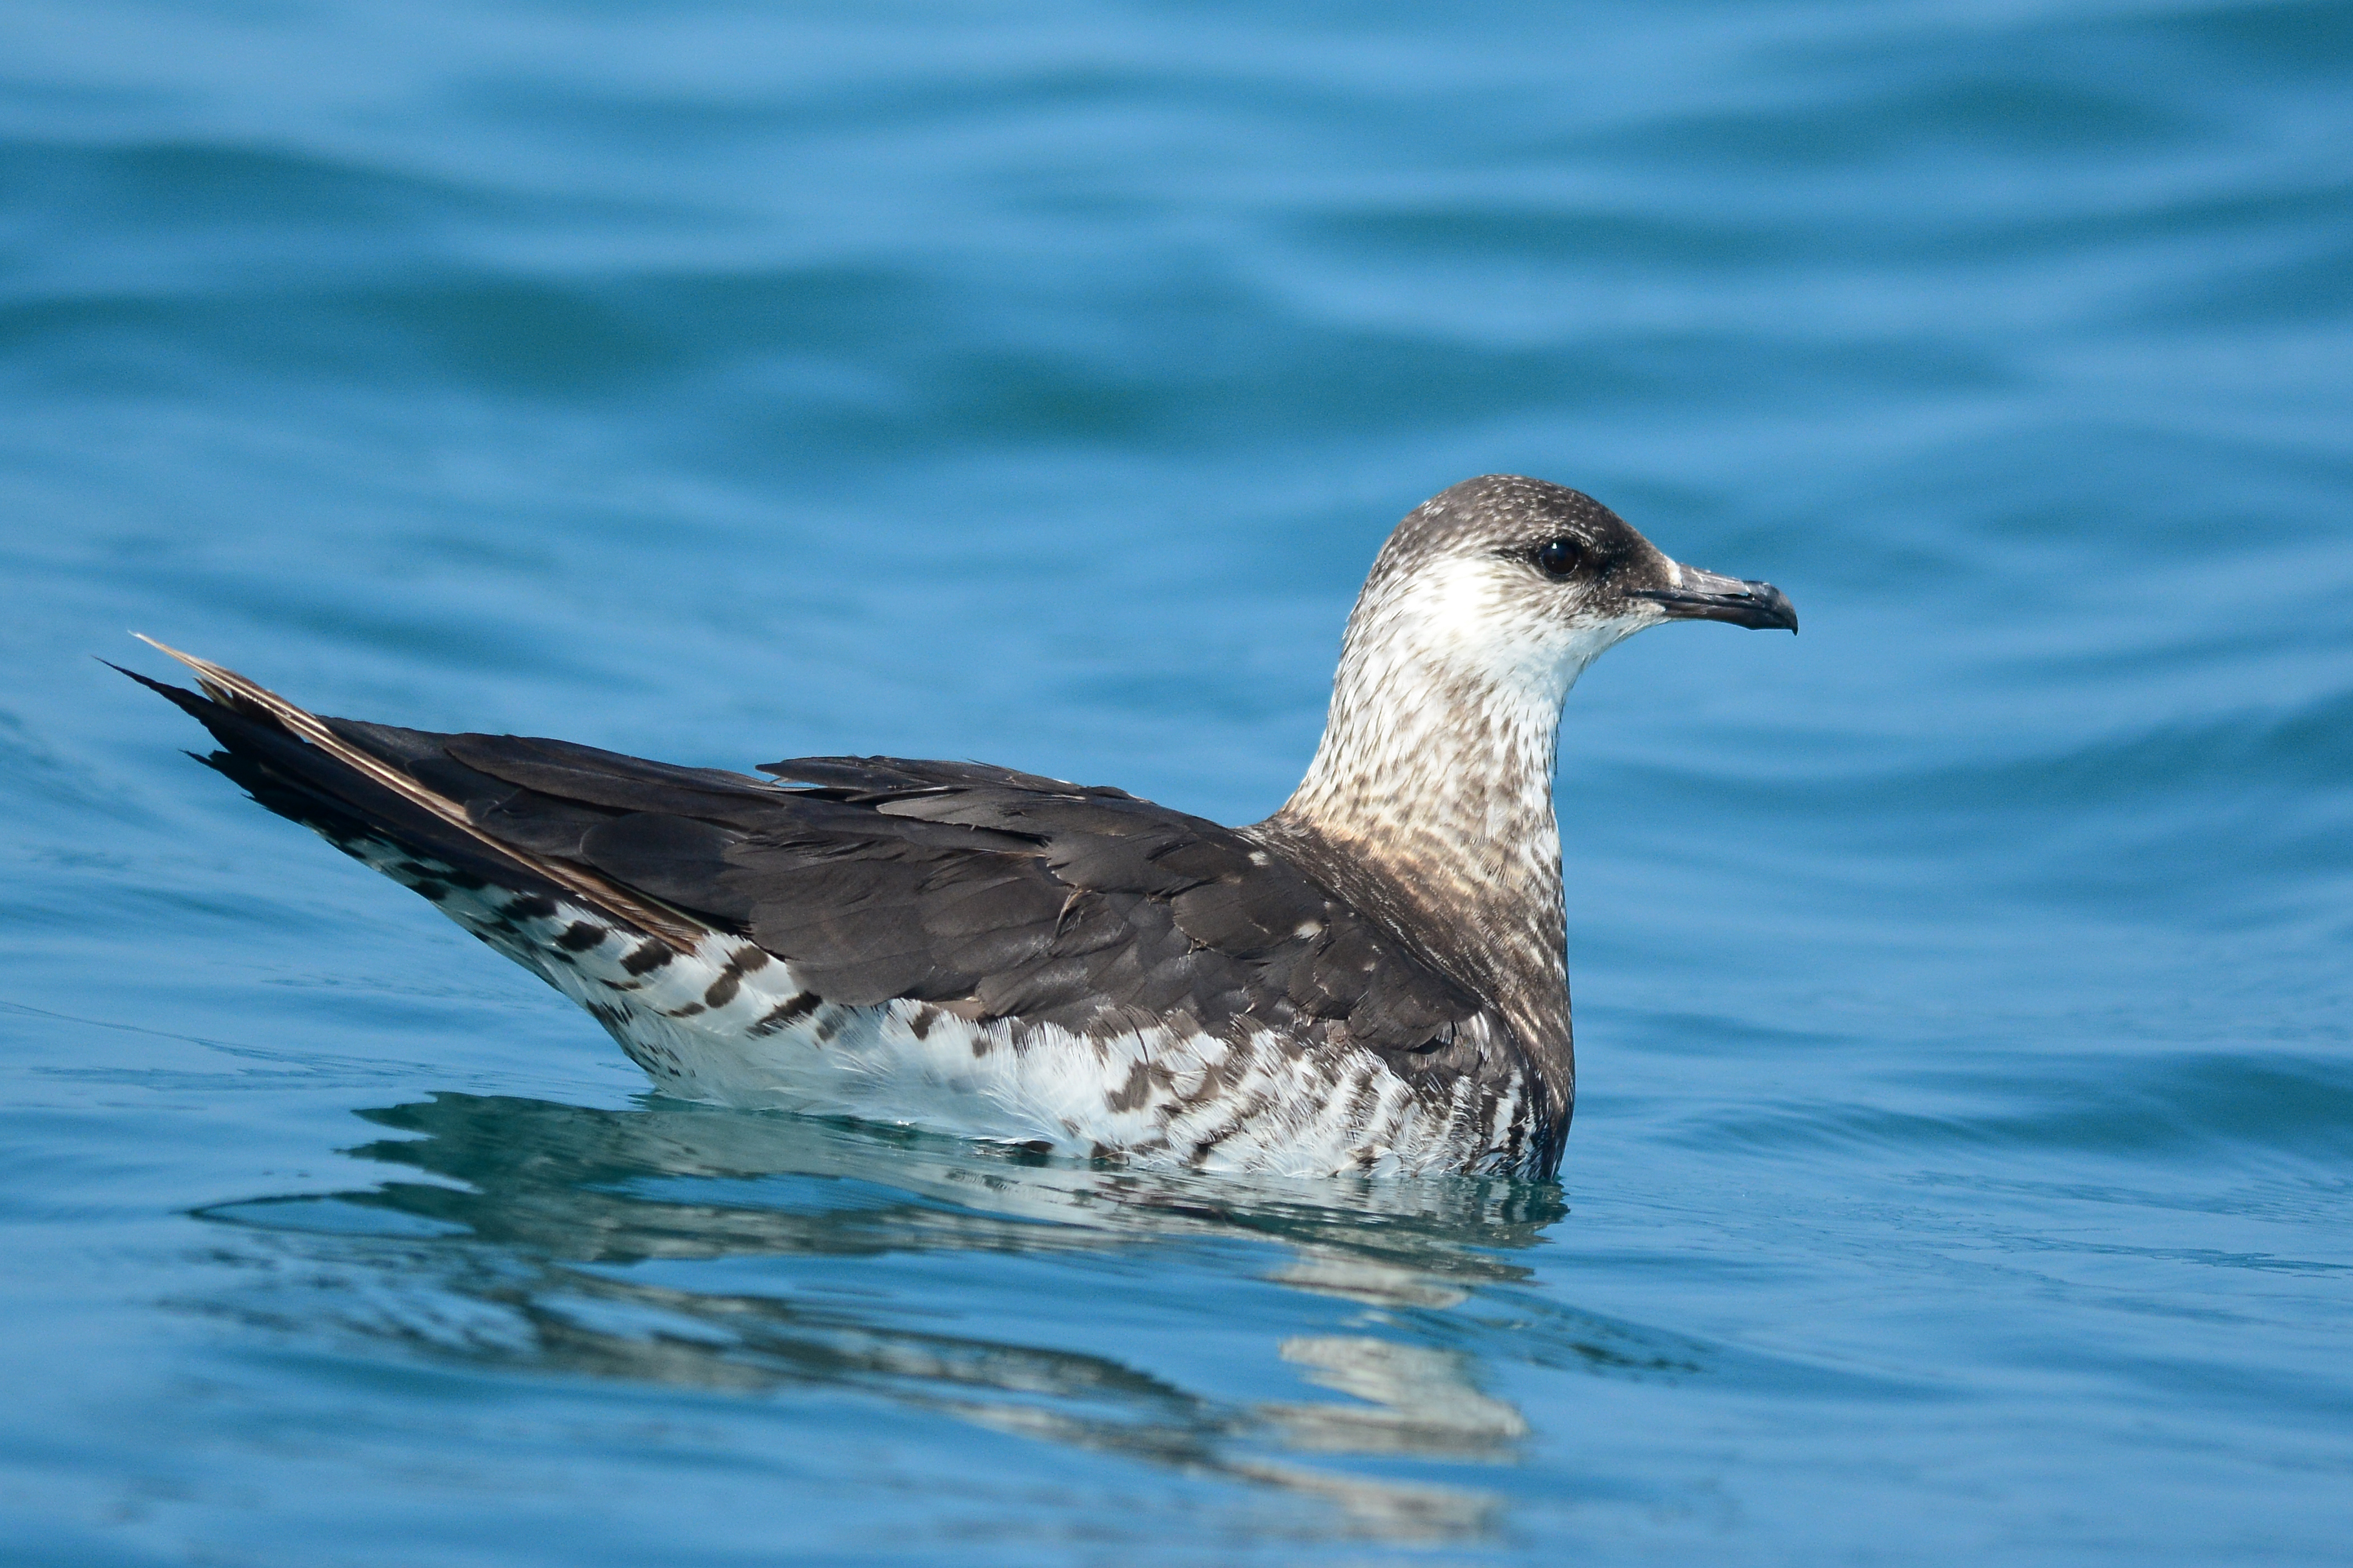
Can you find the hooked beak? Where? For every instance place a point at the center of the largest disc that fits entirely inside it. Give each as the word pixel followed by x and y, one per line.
pixel 1700 595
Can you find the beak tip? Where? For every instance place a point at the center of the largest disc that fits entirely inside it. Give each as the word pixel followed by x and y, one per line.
pixel 1705 596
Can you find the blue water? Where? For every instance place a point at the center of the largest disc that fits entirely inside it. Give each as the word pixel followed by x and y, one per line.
pixel 1963 1170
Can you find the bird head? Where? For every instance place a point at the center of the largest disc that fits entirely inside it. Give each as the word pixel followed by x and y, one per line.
pixel 1517 585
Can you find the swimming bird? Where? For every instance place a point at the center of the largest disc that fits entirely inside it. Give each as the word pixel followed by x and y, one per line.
pixel 1374 978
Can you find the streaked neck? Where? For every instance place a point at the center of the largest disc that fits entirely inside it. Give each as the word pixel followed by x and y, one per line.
pixel 1436 786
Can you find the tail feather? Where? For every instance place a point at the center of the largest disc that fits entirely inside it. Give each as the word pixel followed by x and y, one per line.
pixel 297 764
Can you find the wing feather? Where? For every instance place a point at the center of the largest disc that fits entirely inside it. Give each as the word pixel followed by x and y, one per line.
pixel 1006 894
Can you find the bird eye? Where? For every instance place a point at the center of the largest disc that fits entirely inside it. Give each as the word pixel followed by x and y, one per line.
pixel 1556 558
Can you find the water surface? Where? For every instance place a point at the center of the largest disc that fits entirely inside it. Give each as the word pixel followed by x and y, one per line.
pixel 1960 1169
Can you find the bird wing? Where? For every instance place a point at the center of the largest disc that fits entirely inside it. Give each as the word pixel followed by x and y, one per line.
pixel 1003 894
pixel 996 893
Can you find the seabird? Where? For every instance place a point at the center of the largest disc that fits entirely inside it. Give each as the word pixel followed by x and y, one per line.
pixel 1373 979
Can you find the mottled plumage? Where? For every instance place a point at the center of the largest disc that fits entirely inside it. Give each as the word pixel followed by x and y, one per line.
pixel 1371 979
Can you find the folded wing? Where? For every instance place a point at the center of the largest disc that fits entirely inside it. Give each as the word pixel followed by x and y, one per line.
pixel 999 893
pixel 994 893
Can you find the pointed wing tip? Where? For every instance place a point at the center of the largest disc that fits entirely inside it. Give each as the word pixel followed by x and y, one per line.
pixel 147 680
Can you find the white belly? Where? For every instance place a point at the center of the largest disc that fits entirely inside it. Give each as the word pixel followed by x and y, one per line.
pixel 729 1024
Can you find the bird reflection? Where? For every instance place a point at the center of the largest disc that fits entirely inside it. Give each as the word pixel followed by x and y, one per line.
pixel 529 1217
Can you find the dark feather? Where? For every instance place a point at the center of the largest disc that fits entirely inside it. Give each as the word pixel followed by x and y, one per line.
pixel 1007 894
pixel 1025 897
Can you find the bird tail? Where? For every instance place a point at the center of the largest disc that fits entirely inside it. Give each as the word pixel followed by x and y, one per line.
pixel 348 782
